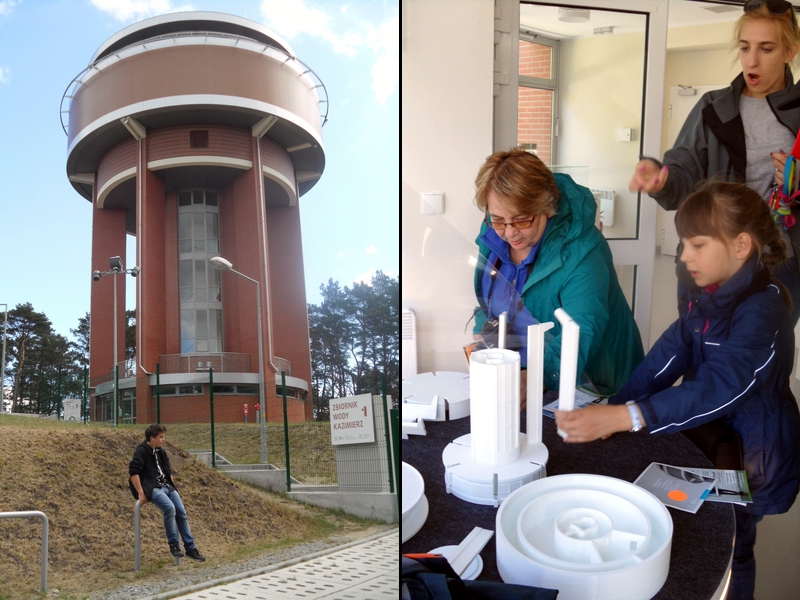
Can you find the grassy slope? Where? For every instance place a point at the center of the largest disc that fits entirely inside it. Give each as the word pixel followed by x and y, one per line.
pixel 77 476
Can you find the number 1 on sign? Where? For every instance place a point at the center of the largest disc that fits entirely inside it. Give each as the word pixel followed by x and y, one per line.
pixel 364 408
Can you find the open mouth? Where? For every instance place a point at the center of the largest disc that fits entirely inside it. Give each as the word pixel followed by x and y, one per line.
pixel 753 79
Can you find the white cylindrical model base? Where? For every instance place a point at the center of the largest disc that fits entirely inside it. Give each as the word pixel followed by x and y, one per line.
pixel 480 483
pixel 494 406
pixel 415 504
pixel 590 537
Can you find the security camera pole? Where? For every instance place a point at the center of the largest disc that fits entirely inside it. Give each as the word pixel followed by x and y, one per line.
pixel 115 268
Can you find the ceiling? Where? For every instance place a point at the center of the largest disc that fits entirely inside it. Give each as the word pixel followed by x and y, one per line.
pixel 544 19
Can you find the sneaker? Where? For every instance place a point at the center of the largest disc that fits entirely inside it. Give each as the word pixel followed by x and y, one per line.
pixel 194 554
pixel 175 550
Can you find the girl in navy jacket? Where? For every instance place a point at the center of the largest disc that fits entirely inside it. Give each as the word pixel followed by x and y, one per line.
pixel 734 329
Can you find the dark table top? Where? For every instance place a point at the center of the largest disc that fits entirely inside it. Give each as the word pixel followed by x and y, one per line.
pixel 701 542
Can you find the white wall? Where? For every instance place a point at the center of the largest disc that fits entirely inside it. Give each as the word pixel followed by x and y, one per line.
pixel 447 61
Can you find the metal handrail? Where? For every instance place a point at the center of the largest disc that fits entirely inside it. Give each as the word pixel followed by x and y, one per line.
pixel 77 81
pixel 35 514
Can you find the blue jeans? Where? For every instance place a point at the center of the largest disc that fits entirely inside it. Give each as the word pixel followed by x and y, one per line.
pixel 175 519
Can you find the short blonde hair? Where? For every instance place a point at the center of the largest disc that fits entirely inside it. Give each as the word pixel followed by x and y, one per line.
pixel 787 29
pixel 518 178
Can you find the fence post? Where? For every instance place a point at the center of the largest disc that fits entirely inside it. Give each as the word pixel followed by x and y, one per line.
pixel 395 419
pixel 158 392
pixel 58 406
pixel 116 393
pixel 84 405
pixel 385 410
pixel 211 399
pixel 286 432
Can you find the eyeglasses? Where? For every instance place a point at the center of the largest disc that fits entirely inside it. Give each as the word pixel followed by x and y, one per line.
pixel 775 7
pixel 518 224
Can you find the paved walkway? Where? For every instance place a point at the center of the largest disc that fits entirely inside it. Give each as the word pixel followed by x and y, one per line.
pixel 366 571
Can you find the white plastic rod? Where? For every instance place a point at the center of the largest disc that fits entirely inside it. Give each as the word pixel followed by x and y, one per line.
pixel 570 335
pixel 535 380
pixel 501 339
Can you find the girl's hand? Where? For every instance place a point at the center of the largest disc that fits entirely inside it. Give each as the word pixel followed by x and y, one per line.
pixel 648 177
pixel 779 160
pixel 593 422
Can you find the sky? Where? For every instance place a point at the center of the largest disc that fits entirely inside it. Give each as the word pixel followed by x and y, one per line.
pixel 349 218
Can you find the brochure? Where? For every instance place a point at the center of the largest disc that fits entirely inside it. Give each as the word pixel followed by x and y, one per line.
pixel 675 486
pixel 582 398
pixel 731 486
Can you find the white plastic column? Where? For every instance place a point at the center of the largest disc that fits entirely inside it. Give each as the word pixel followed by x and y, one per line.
pixel 535 380
pixel 501 338
pixel 494 406
pixel 570 334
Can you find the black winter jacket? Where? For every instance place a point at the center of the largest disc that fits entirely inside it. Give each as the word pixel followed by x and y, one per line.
pixel 143 464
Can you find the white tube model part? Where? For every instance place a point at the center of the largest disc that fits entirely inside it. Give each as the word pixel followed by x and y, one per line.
pixel 501 338
pixel 570 336
pixel 494 406
pixel 535 380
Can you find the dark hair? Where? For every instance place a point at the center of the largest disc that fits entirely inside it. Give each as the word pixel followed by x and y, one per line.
pixel 722 210
pixel 520 179
pixel 153 431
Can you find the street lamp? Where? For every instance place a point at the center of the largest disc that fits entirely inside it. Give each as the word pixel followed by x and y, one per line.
pixel 115 268
pixel 224 265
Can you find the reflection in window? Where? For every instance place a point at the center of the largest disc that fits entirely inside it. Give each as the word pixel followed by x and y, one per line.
pixel 536 95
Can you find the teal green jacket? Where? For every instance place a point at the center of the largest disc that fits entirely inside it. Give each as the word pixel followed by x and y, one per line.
pixel 574 270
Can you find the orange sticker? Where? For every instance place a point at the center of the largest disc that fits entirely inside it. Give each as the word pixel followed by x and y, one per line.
pixel 677 495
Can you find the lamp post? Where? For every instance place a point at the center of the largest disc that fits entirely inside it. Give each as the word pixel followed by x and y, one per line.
pixel 115 267
pixel 224 265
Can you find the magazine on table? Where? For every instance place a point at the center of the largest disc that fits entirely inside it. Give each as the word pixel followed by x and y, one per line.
pixel 582 398
pixel 731 486
pixel 676 486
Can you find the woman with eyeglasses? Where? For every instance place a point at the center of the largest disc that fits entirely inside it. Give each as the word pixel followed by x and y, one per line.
pixel 741 133
pixel 539 237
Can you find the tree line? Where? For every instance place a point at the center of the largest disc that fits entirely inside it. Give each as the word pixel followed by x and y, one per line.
pixel 354 337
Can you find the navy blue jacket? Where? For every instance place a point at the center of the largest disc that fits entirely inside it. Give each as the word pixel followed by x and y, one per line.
pixel 742 352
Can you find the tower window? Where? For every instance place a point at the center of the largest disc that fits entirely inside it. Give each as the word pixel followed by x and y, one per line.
pixel 198 139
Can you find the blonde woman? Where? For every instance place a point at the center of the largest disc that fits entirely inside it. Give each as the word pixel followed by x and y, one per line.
pixel 743 132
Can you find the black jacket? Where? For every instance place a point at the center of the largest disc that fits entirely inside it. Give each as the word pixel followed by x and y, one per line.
pixel 143 464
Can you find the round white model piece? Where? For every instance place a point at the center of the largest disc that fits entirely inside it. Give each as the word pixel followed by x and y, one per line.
pixel 482 483
pixel 588 536
pixel 415 504
pixel 451 387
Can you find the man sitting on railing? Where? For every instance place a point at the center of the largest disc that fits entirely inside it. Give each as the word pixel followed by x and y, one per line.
pixel 151 479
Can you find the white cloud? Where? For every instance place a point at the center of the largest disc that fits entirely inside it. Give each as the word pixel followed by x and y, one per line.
pixel 3 75
pixel 366 277
pixel 346 33
pixel 134 10
pixel 372 250
pixel 6 6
